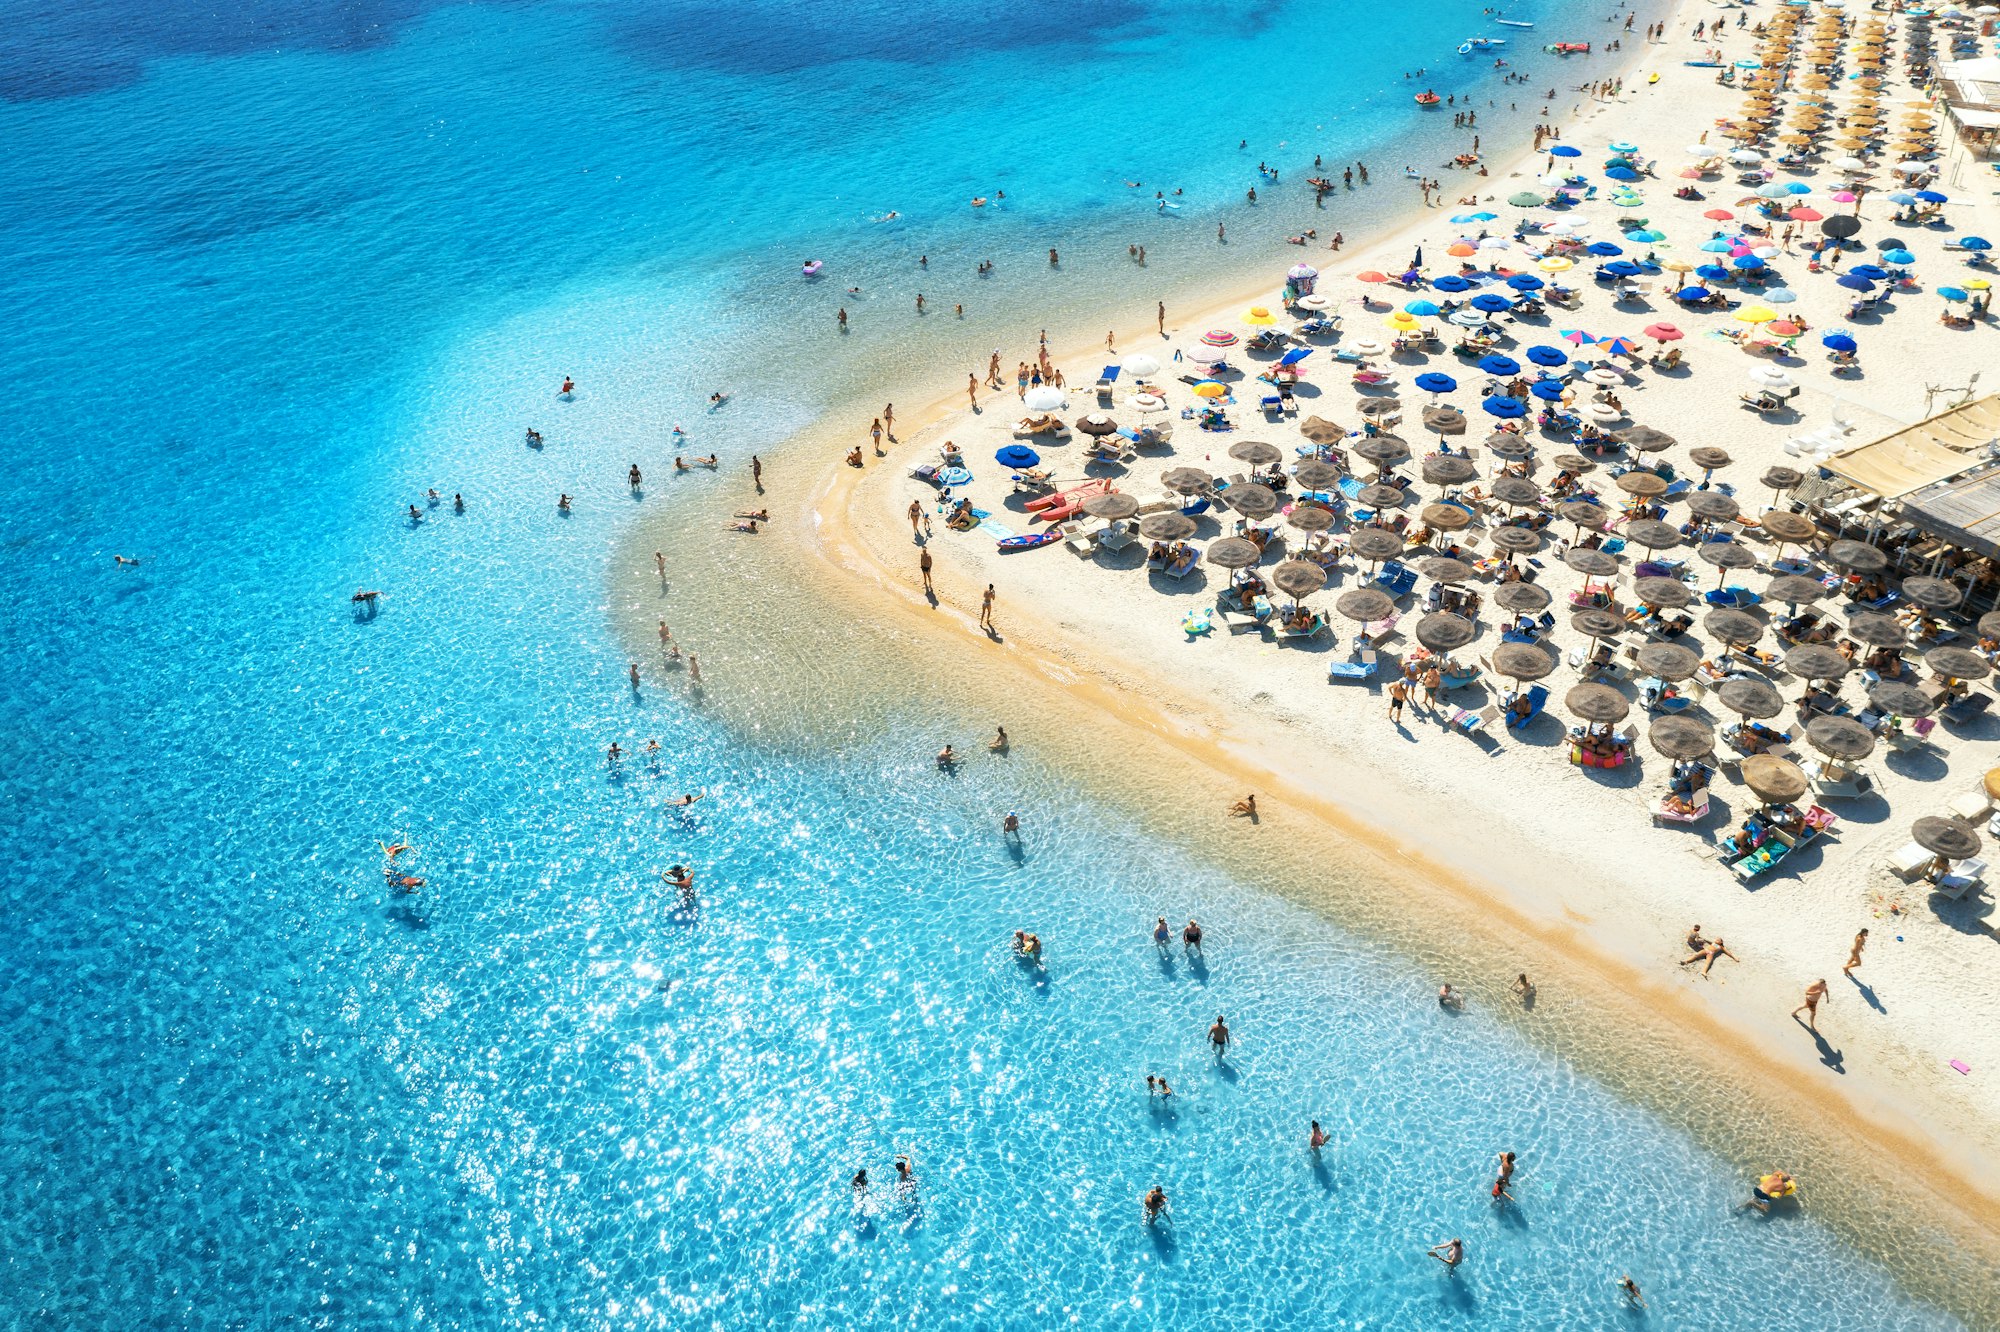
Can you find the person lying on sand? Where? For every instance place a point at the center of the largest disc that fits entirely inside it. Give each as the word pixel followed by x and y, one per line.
pixel 1707 954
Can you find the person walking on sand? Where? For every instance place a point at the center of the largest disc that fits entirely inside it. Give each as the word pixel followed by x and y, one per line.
pixel 924 568
pixel 1218 1037
pixel 875 434
pixel 889 421
pixel 1433 681
pixel 1814 993
pixel 986 609
pixel 1162 317
pixel 916 519
pixel 1854 954
pixel 1399 694
pixel 757 473
pixel 972 390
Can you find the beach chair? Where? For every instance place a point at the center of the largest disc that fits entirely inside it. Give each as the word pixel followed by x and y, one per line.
pixel 1538 697
pixel 1469 723
pixel 1106 383
pixel 1397 579
pixel 1966 709
pixel 1360 665
pixel 1973 806
pixel 1961 879
pixel 1908 860
pixel 1663 814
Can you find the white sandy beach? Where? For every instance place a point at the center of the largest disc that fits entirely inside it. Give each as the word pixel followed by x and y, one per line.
pixel 1570 849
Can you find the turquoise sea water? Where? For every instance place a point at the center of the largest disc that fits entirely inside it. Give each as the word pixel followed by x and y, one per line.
pixel 275 271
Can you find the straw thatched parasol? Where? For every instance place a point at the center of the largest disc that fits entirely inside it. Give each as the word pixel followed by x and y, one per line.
pixel 1377 407
pixel 1186 480
pixel 1816 661
pixel 1682 738
pixel 1783 478
pixel 1446 517
pixel 1515 491
pixel 1310 518
pixel 1375 543
pixel 1774 780
pixel 1786 526
pixel 1255 452
pixel 1662 593
pixel 1856 556
pixel 1383 450
pixel 1989 625
pixel 1712 505
pixel 1590 563
pixel 1957 663
pixel 1584 513
pixel 1725 555
pixel 1321 431
pixel 1523 661
pixel 1448 469
pixel 1734 626
pixel 1840 737
pixel 1597 703
pixel 1954 839
pixel 1748 696
pixel 1442 631
pixel 1365 605
pixel 1252 501
pixel 1932 593
pixel 1669 661
pixel 1874 628
pixel 1114 505
pixel 1646 485
pixel 1652 534
pixel 1233 553
pixel 1509 447
pixel 1904 700
pixel 1316 475
pixel 1166 527
pixel 1445 569
pixel 1381 496
pixel 1708 457
pixel 1515 540
pixel 1298 578
pixel 1595 624
pixel 1644 438
pixel 1521 597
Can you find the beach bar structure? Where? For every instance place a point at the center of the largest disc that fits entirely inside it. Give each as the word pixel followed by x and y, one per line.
pixel 1971 91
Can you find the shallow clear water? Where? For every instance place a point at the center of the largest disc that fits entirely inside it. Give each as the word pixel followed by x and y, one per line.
pixel 273 275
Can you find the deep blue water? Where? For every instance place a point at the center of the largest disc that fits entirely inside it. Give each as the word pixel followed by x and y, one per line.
pixel 274 270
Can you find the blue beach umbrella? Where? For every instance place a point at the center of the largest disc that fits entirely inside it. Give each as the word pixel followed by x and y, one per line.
pixel 1645 236
pixel 1564 150
pixel 1692 294
pixel 1605 249
pixel 1975 244
pixel 1952 293
pixel 1839 342
pixel 1716 245
pixel 1548 390
pixel 1496 364
pixel 1525 282
pixel 1295 355
pixel 1619 346
pixel 1898 257
pixel 1425 308
pixel 1504 407
pixel 1855 282
pixel 1621 173
pixel 1492 302
pixel 1796 187
pixel 1017 455
pixel 1932 196
pixel 1746 263
pixel 1623 268
pixel 1903 198
pixel 1711 272
pixel 1465 219
pixel 1452 282
pixel 1619 160
pixel 1873 272
pixel 1547 356
pixel 1619 146
pixel 1436 383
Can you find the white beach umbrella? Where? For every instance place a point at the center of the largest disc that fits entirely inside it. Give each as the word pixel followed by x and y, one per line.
pixel 1367 347
pixel 1746 157
pixel 1205 355
pixel 1604 411
pixel 1770 377
pixel 1848 164
pixel 1606 377
pixel 1908 168
pixel 1045 399
pixel 1142 366
pixel 1495 243
pixel 1313 301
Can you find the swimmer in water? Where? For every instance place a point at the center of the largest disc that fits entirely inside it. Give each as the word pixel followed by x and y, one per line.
pixel 409 883
pixel 999 742
pixel 1191 936
pixel 1011 825
pixel 1317 1138
pixel 569 386
pixel 562 503
pixel 1450 998
pixel 1162 936
pixel 687 799
pixel 749 526
pixel 1506 1177
pixel 126 560
pixel 613 754
pixel 1451 1253
pixel 859 1184
pixel 945 757
pixel 761 515
pixel 1630 1288
pixel 680 877
pixel 906 1178
pixel 1155 1203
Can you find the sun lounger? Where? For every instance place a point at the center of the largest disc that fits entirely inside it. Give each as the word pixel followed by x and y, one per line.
pixel 1397 579
pixel 1973 806
pixel 1537 697
pixel 1967 709
pixel 1909 860
pixel 1470 722
pixel 1360 666
pixel 1961 879
pixel 1183 566
pixel 1662 813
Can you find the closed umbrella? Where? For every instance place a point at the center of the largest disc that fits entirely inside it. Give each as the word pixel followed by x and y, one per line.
pixel 1734 626
pixel 1316 475
pixel 1445 569
pixel 1904 700
pixel 1682 738
pixel 1446 517
pixel 1523 661
pixel 1515 491
pixel 1516 541
pixel 1591 563
pixel 1374 544
pixel 1365 605
pixel 1166 527
pixel 1775 781
pixel 1442 631
pixel 1645 485
pixel 1652 534
pixel 1597 703
pixel 1816 661
pixel 1856 556
pixel 1114 506
pixel 1521 598
pixel 1186 480
pixel 1793 589
pixel 1255 452
pixel 1662 593
pixel 1841 738
pixel 1448 469
pixel 1750 697
pixel 1954 839
pixel 1298 578
pixel 1310 518
pixel 1875 629
pixel 1932 593
pixel 1233 553
pixel 1669 661
pixel 1381 496
pixel 1713 505
pixel 1251 501
pixel 1957 663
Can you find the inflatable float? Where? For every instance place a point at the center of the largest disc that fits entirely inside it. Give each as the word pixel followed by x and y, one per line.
pixel 1033 539
pixel 1568 48
pixel 1472 44
pixel 810 268
pixel 1428 99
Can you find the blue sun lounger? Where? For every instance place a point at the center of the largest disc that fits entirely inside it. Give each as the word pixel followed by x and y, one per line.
pixel 1361 666
pixel 1537 696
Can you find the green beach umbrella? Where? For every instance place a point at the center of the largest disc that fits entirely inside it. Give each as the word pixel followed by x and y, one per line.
pixel 1525 199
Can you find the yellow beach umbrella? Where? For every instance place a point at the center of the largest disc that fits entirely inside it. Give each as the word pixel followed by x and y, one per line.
pixel 1555 263
pixel 1259 316
pixel 1757 314
pixel 1211 390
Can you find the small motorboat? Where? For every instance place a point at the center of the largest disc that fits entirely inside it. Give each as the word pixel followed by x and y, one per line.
pixel 1472 44
pixel 1008 545
pixel 1514 23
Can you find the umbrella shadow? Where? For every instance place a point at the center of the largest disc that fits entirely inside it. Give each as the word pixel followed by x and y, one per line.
pixel 1828 1055
pixel 1967 915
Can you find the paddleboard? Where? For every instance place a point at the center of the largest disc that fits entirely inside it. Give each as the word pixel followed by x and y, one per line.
pixel 1514 23
pixel 1028 542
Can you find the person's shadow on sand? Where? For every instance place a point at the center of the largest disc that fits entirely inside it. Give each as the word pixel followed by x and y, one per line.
pixel 1832 1058
pixel 1867 994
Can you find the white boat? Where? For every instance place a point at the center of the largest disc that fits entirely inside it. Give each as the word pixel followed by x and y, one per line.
pixel 1513 23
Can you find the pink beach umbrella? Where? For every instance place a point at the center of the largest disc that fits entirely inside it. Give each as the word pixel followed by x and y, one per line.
pixel 1664 333
pixel 1219 337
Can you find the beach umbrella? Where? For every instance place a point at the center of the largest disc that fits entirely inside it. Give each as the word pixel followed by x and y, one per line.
pixel 1708 457
pixel 1669 661
pixel 1555 263
pixel 1516 540
pixel 1446 517
pixel 1490 302
pixel 1452 282
pixel 1591 563
pixel 1374 544
pixel 1598 703
pixel 1321 431
pixel 1903 700
pixel 1044 399
pixel 1787 527
pixel 1298 578
pixel 1166 527
pixel 1508 448
pixel 1442 631
pixel 1692 294
pixel 1652 534
pixel 1382 450
pixel 1316 475
pixel 1255 452
pixel 1733 626
pixel 1205 357
pixel 1712 273
pixel 1783 478
pixel 1575 463
pixel 1436 383
pixel 1725 555
pixel 1773 780
pixel 1096 424
pixel 1495 364
pixel 1839 342
pixel 1565 150
pixel 1371 276
pixel 1546 356
pixel 1898 258
pixel 1605 376
pixel 1506 408
pixel 1976 244
pixel 1523 661
pixel 1748 696
pixel 1663 333
pixel 1595 624
pixel 1712 505
pixel 1856 556
pixel 1585 513
pixel 1957 663
pixel 1682 738
pixel 1875 629
pixel 1604 249
pixel 1233 553
pixel 1448 469
pixel 1953 293
pixel 1816 661
pixel 1793 589
pixel 1209 389
pixel 1622 268
pixel 1548 390
pixel 1310 517
pixel 1186 480
pixel 1954 839
pixel 1113 506
pixel 1259 316
pixel 1873 272
pixel 1017 455
pixel 1516 490
pixel 1365 605
pixel 1717 245
pixel 1423 308
pixel 1526 282
pixel 1577 336
pixel 1521 597
pixel 1645 485
pixel 1525 199
pixel 1932 197
pixel 1445 569
pixel 1662 593
pixel 1933 594
pixel 1746 263
pixel 1645 236
pixel 1380 496
pixel 1252 501
pixel 1989 625
pixel 1142 365
pixel 1219 337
